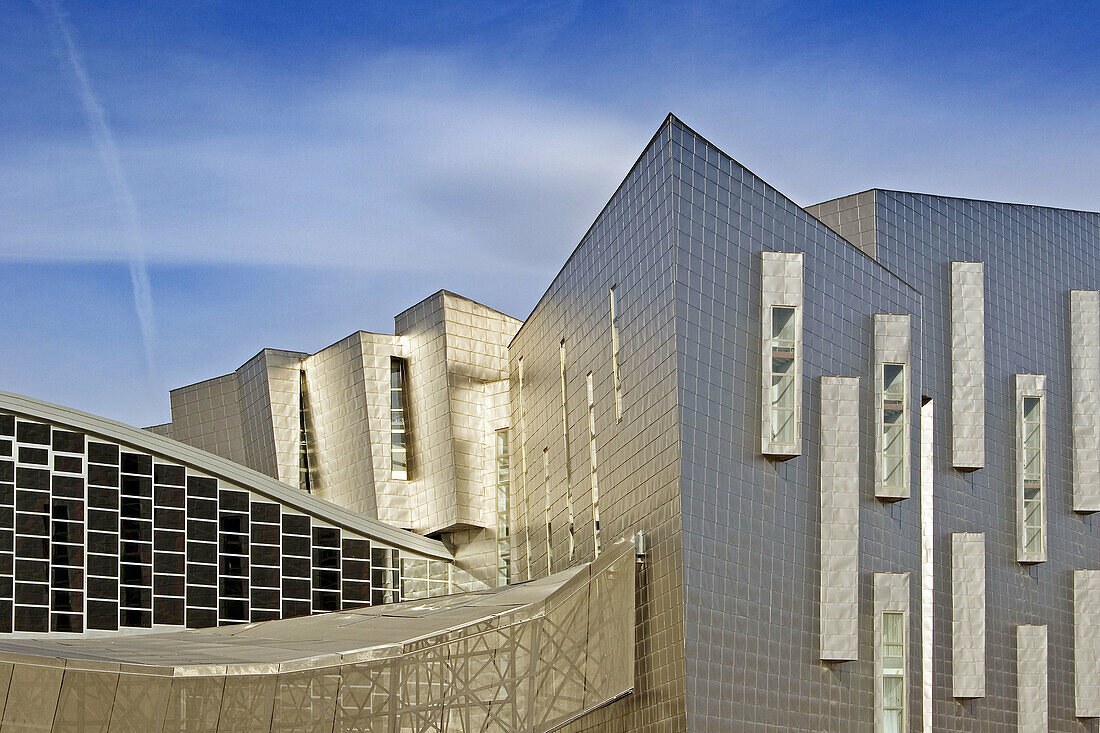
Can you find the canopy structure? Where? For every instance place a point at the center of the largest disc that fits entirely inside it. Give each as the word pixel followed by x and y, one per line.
pixel 528 657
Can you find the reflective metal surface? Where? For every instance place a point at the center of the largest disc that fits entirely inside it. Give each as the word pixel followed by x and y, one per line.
pixel 528 658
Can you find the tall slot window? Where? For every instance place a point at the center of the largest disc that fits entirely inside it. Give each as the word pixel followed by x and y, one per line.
pixel 892 676
pixel 523 471
pixel 303 435
pixel 568 456
pixel 615 358
pixel 784 374
pixel 1033 475
pixel 592 461
pixel 546 505
pixel 781 354
pixel 1031 467
pixel 503 486
pixel 893 374
pixel 894 469
pixel 399 462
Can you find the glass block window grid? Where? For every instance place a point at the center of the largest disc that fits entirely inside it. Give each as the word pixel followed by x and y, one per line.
pixel 95 536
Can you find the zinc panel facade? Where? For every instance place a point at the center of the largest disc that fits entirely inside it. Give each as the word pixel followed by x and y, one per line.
pixel 630 247
pixel 750 524
pixel 1033 257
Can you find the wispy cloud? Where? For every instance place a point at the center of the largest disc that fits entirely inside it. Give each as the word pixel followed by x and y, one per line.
pixel 65 43
pixel 398 162
pixel 440 161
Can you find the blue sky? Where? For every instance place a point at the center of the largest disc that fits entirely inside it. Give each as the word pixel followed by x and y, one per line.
pixel 302 170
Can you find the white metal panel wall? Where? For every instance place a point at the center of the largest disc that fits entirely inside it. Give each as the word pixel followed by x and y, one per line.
pixel 1031 679
pixel 1084 313
pixel 967 365
pixel 1086 642
pixel 968 614
pixel 839 518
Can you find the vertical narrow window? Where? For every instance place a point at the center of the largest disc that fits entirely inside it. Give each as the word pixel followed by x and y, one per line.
pixel 891 635
pixel 781 334
pixel 892 367
pixel 523 471
pixel 568 461
pixel 546 505
pixel 303 435
pixel 399 464
pixel 894 439
pixel 504 553
pixel 592 461
pixel 784 370
pixel 1033 474
pixel 1031 467
pixel 893 672
pixel 615 358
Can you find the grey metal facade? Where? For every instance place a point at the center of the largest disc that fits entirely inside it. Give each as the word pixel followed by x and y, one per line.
pixel 1034 256
pixel 750 524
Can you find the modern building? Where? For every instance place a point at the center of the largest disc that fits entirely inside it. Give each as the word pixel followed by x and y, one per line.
pixel 844 459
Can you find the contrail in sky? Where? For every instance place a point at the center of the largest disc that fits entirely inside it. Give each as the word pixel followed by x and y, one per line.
pixel 64 39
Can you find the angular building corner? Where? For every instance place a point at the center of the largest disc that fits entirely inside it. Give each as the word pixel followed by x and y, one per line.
pixel 742 385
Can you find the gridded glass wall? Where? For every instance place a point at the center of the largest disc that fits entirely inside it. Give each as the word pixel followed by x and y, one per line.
pixel 97 536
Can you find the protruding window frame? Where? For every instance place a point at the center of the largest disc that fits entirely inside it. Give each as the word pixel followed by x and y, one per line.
pixel 892 349
pixel 781 290
pixel 1031 449
pixel 895 432
pixel 891 596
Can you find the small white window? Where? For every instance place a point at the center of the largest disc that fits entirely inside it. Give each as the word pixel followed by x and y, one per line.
pixel 784 374
pixel 894 469
pixel 893 672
